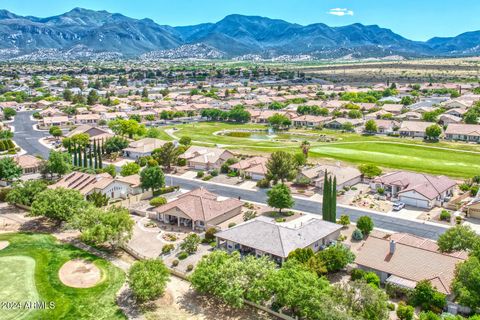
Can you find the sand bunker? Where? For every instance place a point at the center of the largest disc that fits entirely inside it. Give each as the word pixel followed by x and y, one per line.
pixel 4 244
pixel 79 274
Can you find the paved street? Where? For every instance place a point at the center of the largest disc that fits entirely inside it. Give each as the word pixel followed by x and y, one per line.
pixel 383 221
pixel 26 137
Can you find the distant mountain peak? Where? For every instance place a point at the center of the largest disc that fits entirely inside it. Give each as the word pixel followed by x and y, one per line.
pixel 85 32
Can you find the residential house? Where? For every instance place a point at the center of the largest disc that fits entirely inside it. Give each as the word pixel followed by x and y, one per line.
pixel 142 148
pixel 310 121
pixel 264 237
pixel 114 188
pixel 447 119
pixel 393 108
pixel 255 167
pixel 339 123
pixel 95 133
pixel 457 112
pixel 463 132
pixel 47 122
pixel 204 158
pixel 346 176
pixel 386 126
pixel 91 118
pixel 416 189
pixel 199 209
pixel 403 260
pixel 414 129
pixel 29 164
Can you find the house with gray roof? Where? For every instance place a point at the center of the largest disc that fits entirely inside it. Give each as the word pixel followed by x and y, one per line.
pixel 265 237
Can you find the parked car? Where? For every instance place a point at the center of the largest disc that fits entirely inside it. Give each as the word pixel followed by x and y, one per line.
pixel 397 206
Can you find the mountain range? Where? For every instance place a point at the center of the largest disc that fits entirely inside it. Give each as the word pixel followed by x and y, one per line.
pixel 83 33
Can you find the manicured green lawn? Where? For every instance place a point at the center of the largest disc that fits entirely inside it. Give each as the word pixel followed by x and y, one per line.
pixel 29 267
pixel 17 282
pixel 410 157
pixel 447 158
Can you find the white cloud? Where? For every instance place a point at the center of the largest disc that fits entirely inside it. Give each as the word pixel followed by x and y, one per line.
pixel 340 12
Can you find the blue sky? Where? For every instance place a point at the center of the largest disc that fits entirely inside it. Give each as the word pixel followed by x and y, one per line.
pixel 413 19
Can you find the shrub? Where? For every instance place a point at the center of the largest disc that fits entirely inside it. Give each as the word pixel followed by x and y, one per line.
pixel 365 224
pixel 210 234
pixel 214 173
pixel 404 312
pixel 357 274
pixel 264 183
pixel 166 249
pixel 182 162
pixel 189 267
pixel 182 255
pixel 357 235
pixel 372 278
pixel 200 174
pixel 158 201
pixel 344 220
pixel 224 168
pixel 232 224
pixel 3 194
pixel 445 215
pixel 380 191
pixel 165 190
pixel 175 263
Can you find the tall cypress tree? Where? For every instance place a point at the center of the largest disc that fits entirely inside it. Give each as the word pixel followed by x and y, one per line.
pixel 90 156
pixel 334 201
pixel 326 198
pixel 85 158
pixel 79 151
pixel 95 154
pixel 99 155
pixel 75 157
pixel 103 146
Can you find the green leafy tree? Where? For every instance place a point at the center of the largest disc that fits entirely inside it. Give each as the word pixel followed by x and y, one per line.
pixel 55 131
pixel 281 166
pixel 336 257
pixel 58 163
pixel 80 140
pixel 433 132
pixel 279 121
pixel 405 312
pixel 113 228
pixel 365 224
pixel 359 298
pixel 58 204
pixel 23 192
pixel 9 113
pixel 371 126
pixel 128 127
pixel 190 243
pixel 167 155
pixel 279 197
pixel 302 255
pixel 427 297
pixel 115 144
pixel 185 141
pixel 458 238
pixel 466 284
pixel 130 168
pixel 297 288
pixel 148 279
pixel 152 178
pixel 98 199
pixel 369 170
pixel 233 279
pixel 9 169
pixel 92 97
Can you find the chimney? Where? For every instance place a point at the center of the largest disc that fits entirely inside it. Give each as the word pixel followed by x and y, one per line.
pixel 393 245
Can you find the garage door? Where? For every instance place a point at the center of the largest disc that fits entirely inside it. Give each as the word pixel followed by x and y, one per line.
pixel 414 202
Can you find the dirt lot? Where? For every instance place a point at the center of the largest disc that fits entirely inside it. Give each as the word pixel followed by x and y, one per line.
pixel 181 302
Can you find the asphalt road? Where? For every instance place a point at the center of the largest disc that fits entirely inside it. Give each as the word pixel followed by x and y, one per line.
pixel 383 221
pixel 26 137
